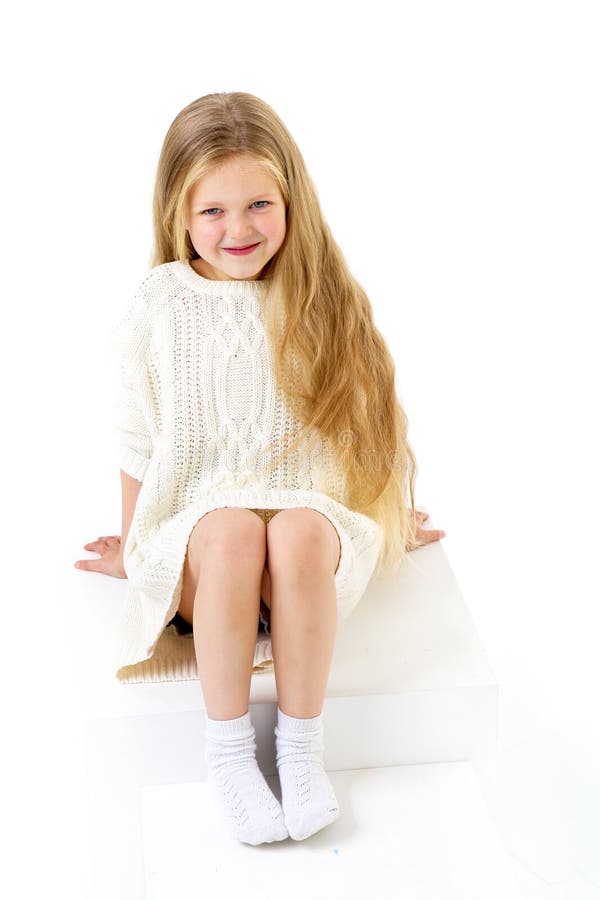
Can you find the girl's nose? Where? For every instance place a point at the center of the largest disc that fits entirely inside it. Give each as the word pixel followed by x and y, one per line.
pixel 239 228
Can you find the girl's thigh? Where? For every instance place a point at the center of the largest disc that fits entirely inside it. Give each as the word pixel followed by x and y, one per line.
pixel 229 527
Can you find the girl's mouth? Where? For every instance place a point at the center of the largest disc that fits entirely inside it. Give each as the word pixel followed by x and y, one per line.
pixel 241 251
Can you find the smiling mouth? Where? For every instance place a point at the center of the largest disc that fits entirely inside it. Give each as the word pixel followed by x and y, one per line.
pixel 241 251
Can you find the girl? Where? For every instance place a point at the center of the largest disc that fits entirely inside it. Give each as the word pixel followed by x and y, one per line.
pixel 264 456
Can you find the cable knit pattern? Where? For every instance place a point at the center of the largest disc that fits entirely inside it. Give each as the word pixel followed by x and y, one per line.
pixel 197 408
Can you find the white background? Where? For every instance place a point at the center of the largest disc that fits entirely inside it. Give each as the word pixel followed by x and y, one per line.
pixel 455 147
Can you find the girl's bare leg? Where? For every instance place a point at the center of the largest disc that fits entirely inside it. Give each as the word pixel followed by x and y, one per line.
pixel 303 554
pixel 222 576
pixel 224 563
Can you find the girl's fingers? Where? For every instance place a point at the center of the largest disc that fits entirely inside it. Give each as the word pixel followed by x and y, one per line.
pixel 106 539
pixel 90 565
pixel 427 536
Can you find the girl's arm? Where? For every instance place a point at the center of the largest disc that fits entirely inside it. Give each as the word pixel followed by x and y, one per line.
pixel 111 547
pixel 134 395
pixel 130 488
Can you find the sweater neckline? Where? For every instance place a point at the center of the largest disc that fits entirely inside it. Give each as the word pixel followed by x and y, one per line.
pixel 233 287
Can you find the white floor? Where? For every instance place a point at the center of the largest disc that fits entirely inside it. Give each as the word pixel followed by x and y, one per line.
pixel 524 825
pixel 442 831
pixel 415 831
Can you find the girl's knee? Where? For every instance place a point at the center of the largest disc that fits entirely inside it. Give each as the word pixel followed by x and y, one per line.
pixel 228 532
pixel 303 539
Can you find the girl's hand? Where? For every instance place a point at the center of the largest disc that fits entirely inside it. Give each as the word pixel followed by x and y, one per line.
pixel 111 557
pixel 424 535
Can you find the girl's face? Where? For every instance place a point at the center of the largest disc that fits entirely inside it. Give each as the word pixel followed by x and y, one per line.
pixel 235 205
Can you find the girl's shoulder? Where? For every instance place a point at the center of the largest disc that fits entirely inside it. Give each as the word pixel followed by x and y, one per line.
pixel 141 307
pixel 158 278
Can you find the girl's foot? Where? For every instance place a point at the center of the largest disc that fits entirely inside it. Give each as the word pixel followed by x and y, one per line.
pixel 307 796
pixel 253 812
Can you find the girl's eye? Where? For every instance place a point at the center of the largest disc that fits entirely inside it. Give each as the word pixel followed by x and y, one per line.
pixel 213 208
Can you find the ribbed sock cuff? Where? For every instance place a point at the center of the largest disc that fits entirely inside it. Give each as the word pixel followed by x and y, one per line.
pixel 297 726
pixel 233 728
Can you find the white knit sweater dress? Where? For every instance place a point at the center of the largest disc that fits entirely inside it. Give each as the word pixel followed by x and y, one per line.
pixel 197 407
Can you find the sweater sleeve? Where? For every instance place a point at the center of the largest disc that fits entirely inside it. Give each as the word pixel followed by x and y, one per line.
pixel 133 398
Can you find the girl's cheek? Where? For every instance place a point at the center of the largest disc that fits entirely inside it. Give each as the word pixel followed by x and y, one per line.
pixel 274 227
pixel 208 232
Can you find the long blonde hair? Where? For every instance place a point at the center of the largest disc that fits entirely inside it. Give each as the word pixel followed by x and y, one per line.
pixel 329 358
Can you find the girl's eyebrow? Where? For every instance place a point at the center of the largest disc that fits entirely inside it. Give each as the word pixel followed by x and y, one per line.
pixel 251 200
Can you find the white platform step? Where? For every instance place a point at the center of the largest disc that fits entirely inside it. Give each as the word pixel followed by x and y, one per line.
pixel 420 832
pixel 410 683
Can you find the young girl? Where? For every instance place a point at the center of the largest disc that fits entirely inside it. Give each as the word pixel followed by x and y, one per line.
pixel 265 466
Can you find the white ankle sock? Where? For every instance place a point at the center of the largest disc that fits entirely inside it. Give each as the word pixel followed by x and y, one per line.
pixel 307 795
pixel 252 810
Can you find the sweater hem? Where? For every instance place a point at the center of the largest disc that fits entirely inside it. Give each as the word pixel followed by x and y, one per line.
pixel 134 464
pixel 156 579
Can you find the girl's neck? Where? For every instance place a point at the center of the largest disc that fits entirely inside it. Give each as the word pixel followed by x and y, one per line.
pixel 202 268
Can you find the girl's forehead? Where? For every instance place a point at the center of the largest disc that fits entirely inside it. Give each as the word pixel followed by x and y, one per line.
pixel 237 167
pixel 238 175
